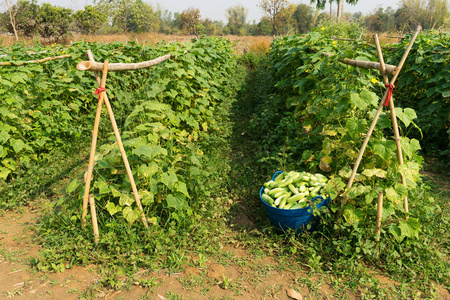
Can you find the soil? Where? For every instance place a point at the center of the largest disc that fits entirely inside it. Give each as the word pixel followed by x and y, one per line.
pixel 262 279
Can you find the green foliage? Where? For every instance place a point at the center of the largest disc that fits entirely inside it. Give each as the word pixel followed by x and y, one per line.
pixel 424 85
pixel 316 115
pixel 90 19
pixel 53 21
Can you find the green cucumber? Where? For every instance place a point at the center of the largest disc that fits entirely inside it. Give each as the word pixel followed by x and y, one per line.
pixel 296 198
pixel 268 199
pixel 293 189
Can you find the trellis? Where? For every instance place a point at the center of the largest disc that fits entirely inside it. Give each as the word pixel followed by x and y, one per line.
pixel 105 67
pixel 385 101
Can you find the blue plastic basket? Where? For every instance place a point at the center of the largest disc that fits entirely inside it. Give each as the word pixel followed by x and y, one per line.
pixel 296 219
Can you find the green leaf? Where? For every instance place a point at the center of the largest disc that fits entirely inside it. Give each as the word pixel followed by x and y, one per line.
pixel 410 228
pixel 384 149
pixel 146 197
pixel 356 191
pixel 4 137
pixel 409 146
pixel 131 214
pixel 112 208
pixel 4 172
pixel 73 185
pixel 356 126
pixel 149 151
pixel 17 145
pixel 392 195
pixel 169 179
pixel 353 216
pixel 375 172
pixel 364 99
pixel 102 186
pixel 125 200
pixel 406 115
pixel 148 170
pixel 410 172
pixel 396 232
pixel 176 201
pixel 181 187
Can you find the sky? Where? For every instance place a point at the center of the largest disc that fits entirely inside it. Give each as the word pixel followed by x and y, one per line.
pixel 215 9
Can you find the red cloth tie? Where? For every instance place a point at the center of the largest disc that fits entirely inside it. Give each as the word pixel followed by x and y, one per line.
pixel 99 92
pixel 389 95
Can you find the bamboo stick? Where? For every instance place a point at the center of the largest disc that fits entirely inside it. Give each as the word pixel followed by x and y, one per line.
pixel 94 218
pixel 394 117
pixel 97 66
pixel 379 215
pixel 394 122
pixel 38 61
pixel 124 155
pixel 88 176
pixel 369 65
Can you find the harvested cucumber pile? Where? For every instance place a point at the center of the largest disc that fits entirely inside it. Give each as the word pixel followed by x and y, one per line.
pixel 293 190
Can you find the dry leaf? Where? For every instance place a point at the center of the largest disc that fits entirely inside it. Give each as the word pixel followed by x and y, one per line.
pixel 294 295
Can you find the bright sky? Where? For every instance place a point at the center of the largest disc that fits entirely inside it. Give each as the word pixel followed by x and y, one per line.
pixel 215 9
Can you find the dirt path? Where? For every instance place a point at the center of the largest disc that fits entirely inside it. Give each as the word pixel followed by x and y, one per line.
pixel 238 275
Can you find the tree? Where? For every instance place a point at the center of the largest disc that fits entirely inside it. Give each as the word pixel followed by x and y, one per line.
pixel 272 9
pixel 12 11
pixel 303 17
pixel 236 17
pixel 381 20
pixel 53 21
pixel 429 14
pixel 141 17
pixel 189 19
pixel 89 20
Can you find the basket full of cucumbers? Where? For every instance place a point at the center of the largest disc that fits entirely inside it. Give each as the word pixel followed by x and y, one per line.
pixel 288 197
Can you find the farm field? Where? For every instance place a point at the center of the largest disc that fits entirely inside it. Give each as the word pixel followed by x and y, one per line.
pixel 202 132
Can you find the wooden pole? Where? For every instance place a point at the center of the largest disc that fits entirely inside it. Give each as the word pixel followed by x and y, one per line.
pixel 38 61
pixel 124 155
pixel 369 65
pixel 88 175
pixel 94 218
pixel 379 215
pixel 97 66
pixel 394 121
pixel 372 126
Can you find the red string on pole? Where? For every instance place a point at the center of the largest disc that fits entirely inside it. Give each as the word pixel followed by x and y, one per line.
pixel 389 95
pixel 99 91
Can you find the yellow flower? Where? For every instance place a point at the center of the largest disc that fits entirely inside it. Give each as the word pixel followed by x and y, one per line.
pixel 374 80
pixel 334 43
pixel 323 28
pixel 428 41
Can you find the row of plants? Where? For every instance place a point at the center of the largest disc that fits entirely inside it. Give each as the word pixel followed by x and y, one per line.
pixel 174 122
pixel 314 116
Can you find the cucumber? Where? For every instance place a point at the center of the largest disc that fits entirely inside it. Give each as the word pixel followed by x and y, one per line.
pixel 282 202
pixel 284 183
pixel 281 193
pixel 269 200
pixel 293 189
pixel 279 177
pixel 279 199
pixel 274 191
pixel 296 198
pixel 288 205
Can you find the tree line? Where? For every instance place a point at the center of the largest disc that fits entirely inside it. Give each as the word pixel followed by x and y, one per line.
pixel 29 19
